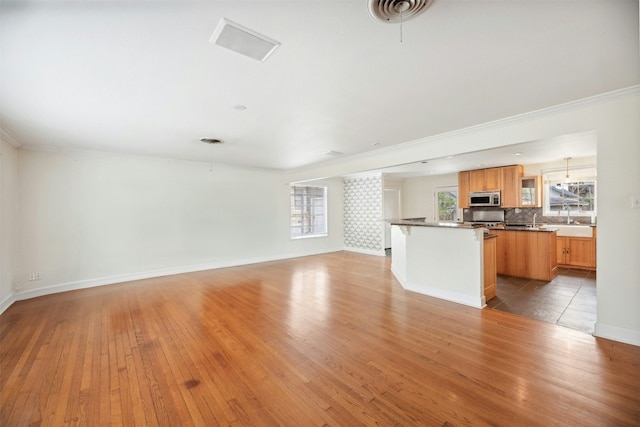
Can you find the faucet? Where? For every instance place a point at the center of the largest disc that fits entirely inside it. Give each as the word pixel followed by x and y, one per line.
pixel 565 205
pixel 534 219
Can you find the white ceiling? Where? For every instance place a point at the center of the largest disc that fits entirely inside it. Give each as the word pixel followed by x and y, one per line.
pixel 543 151
pixel 141 76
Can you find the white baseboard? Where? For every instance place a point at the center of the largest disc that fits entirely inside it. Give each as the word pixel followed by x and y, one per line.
pixel 366 251
pixel 439 293
pixel 617 333
pixel 7 302
pixel 110 280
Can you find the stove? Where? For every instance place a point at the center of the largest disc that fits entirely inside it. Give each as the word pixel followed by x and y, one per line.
pixel 488 224
pixel 489 219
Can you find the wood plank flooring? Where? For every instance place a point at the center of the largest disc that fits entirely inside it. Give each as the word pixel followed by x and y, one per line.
pixel 322 340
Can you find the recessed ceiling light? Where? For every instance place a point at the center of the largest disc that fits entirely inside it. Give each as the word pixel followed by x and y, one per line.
pixel 517 154
pixel 239 107
pixel 242 40
pixel 212 141
pixel 450 157
pixel 333 153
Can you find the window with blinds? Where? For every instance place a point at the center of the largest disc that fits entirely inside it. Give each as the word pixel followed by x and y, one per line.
pixel 572 195
pixel 308 211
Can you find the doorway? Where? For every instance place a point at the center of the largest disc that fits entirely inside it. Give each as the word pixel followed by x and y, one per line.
pixel 391 211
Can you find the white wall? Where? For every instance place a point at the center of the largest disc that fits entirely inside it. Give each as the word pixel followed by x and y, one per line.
pixel 419 199
pixel 614 117
pixel 86 219
pixel 91 218
pixel 537 168
pixel 8 193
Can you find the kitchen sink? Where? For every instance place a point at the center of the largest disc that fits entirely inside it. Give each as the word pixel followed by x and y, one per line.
pixel 571 230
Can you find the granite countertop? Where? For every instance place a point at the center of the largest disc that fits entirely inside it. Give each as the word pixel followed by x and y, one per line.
pixel 523 227
pixel 547 227
pixel 420 222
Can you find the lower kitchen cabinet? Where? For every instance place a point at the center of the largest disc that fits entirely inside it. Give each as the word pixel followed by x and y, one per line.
pixel 577 252
pixel 528 254
pixel 490 278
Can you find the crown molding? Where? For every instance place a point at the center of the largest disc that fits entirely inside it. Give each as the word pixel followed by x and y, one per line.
pixel 7 136
pixel 631 90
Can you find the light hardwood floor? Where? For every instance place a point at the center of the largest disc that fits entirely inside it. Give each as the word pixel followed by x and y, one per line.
pixel 322 340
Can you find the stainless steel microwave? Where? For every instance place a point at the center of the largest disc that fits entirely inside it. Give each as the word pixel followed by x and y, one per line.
pixel 484 198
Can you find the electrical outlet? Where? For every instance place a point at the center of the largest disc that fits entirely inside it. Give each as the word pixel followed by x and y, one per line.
pixel 38 276
pixel 635 202
pixel 34 276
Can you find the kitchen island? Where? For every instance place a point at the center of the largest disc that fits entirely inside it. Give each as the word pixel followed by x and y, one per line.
pixel 440 259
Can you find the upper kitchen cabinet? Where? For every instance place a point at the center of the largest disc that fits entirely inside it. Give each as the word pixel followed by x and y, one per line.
pixel 510 196
pixel 485 179
pixel 530 192
pixel 463 189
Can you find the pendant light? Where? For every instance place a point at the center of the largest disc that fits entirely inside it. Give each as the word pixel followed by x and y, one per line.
pixel 566 178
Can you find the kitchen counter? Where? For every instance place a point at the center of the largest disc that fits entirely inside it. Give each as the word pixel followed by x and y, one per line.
pixel 421 223
pixel 547 228
pixel 442 260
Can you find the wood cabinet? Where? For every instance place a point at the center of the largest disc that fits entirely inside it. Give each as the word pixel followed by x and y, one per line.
pixel 510 186
pixel 529 254
pixel 463 189
pixel 530 192
pixel 577 252
pixel 505 179
pixel 485 179
pixel 490 272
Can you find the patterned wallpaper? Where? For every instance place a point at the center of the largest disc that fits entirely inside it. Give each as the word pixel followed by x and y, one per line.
pixel 363 225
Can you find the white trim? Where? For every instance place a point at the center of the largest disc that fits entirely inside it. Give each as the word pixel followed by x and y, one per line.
pixel 111 280
pixel 119 154
pixel 445 295
pixel 616 333
pixel 7 136
pixel 376 252
pixel 7 302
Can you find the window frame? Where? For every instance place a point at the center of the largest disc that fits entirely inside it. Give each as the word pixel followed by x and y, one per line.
pixel 552 177
pixel 436 207
pixel 292 216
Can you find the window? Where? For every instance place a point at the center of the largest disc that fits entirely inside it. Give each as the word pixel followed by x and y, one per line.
pixel 308 211
pixel 446 203
pixel 573 196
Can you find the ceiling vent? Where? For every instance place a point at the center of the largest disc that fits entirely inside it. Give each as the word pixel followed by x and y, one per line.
pixel 212 141
pixel 333 153
pixel 392 11
pixel 242 40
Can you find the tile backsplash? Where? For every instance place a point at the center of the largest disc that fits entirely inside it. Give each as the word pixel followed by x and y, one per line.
pixel 525 216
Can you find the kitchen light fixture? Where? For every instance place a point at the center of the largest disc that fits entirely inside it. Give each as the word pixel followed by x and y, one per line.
pixel 242 40
pixel 567 176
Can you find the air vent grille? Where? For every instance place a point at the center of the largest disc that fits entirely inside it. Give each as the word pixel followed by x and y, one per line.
pixel 242 40
pixel 392 11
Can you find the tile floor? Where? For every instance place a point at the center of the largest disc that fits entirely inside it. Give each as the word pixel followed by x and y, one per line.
pixel 569 300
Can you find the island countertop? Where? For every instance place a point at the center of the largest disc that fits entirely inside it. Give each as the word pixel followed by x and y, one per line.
pixel 422 223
